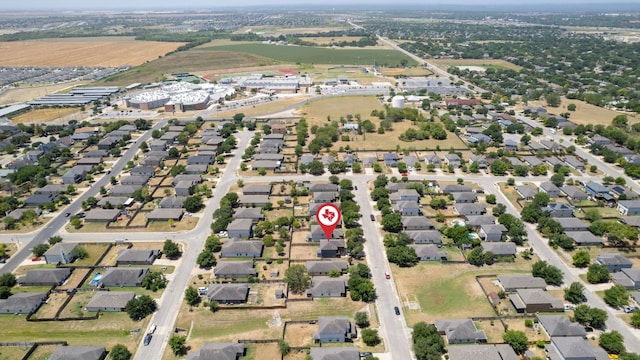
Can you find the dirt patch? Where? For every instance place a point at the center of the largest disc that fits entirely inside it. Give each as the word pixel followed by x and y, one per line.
pixel 83 52
pixel 42 352
pixel 44 115
pixel 300 334
pixel 486 63
pixel 75 280
pixel 303 252
pixel 76 306
pixel 112 256
pixel 54 302
pixel 586 113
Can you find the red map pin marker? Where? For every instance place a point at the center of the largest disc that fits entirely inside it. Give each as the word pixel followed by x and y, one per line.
pixel 328 216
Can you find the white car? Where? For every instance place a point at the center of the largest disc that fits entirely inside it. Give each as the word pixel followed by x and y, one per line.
pixel 223 234
pixel 152 329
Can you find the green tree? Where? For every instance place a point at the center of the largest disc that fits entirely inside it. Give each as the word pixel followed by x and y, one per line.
pixel 192 296
pixel 581 258
pixel 635 319
pixel 474 257
pixel 40 249
pixel 574 293
pixel 138 308
pixel 213 243
pixel 171 249
pixel 392 222
pixel 402 255
pixel 616 296
pixel 154 281
pixel 206 259
pixel 362 319
pixel 550 274
pixel 517 339
pixel 283 347
pixel 612 342
pixel 297 278
pixel 598 273
pixel 8 280
pixel 54 240
pixel 213 306
pixel 120 352
pixel 370 337
pixel 178 345
pixel 588 316
pixel 193 204
pixel 5 292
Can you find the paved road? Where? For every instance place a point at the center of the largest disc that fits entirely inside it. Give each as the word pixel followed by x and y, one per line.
pixel 167 314
pixel 393 327
pixel 40 236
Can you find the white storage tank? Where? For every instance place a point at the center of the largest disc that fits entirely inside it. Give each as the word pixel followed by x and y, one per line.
pixel 397 102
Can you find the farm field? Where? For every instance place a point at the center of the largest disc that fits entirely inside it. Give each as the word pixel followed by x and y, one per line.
pixel 314 55
pixel 586 113
pixel 101 51
pixel 489 63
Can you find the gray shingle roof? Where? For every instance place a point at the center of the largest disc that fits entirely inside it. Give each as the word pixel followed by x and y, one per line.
pixel 235 246
pixel 218 351
pixel 511 282
pixel 123 276
pixel 78 353
pixel 326 266
pixel 234 268
pixel 110 299
pixel 460 330
pixel 335 353
pixel 46 276
pixel 228 292
pixel 558 325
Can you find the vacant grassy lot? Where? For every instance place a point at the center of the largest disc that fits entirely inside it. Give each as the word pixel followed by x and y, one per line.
pixel 14 352
pixel 586 113
pixel 100 51
pixel 450 291
pixel 487 63
pixel 94 252
pixel 317 55
pixel 23 94
pixel 44 115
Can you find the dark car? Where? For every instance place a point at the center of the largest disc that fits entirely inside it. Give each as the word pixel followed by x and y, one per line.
pixel 67 214
pixel 147 339
pixel 397 310
pixel 373 218
pixel 81 215
pixel 355 188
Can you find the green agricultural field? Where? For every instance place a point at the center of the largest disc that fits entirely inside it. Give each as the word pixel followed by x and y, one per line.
pixel 317 55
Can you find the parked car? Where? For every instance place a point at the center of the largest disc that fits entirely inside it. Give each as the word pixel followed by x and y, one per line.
pixel 81 215
pixel 147 339
pixel 387 275
pixel 366 353
pixel 355 188
pixel 373 218
pixel 152 329
pixel 397 310
pixel 629 309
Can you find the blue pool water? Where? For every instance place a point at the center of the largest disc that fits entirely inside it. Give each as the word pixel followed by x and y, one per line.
pixel 96 280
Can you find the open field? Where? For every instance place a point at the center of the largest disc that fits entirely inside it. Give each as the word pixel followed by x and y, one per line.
pixel 264 109
pixel 186 61
pixel 14 352
pixel 586 113
pixel 26 93
pixel 44 115
pixel 450 291
pixel 83 52
pixel 42 352
pixel 488 63
pixel 316 55
pixel 272 30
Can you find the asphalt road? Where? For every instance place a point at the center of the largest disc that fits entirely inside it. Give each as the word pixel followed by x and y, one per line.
pixel 394 329
pixel 167 314
pixel 38 237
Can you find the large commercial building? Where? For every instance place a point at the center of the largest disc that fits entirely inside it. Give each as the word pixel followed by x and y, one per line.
pixel 179 96
pixel 289 84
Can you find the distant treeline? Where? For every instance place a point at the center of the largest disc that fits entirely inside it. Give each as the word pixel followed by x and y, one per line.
pixel 366 39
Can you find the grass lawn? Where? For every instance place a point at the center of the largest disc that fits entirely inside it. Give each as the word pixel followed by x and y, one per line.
pixel 510 193
pixel 15 352
pixel 44 115
pixel 94 251
pixel 450 291
pixel 586 113
pixel 486 63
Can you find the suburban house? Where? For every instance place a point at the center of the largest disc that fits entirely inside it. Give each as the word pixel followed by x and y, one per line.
pixel 102 215
pixel 532 160
pixel 596 190
pixel 157 145
pixel 60 253
pixel 76 174
pixel 485 351
pixel 429 252
pixel 240 228
pixel 114 201
pixel 469 209
pixel 573 193
pixel 111 301
pixel 550 189
pixel 256 190
pixel 614 262
pixel 526 192
pixel 394 187
pixel 478 138
pixel 196 169
pixel 52 189
pixel 334 329
pixel 335 353
pixel 535 300
pixel 228 293
pixel 327 160
pixel 265 164
pixel 629 278
pixel 324 197
pixel 323 187
pixel 475 221
pixel 584 238
pixel 148 171
pixel 499 249
pixel 137 257
pixel 255 214
pixel 425 236
pixel 234 269
pixel 574 162
pixel 44 277
pixel 222 351
pixel 241 248
pixel 323 268
pixel 124 190
pixel 492 232
pixel 454 188
pixel 510 282
pixel 317 234
pixel 124 276
pixel 368 161
pixel 600 140
pixel 64 352
pixel 22 303
pixel 172 202
pixel 558 325
pixel 196 179
pixel 327 287
pixel 629 207
pixel 134 180
pixel 39 199
pixel 480 160
pixel 331 249
pixel 453 160
pixel 390 159
pixel 559 209
pixel 574 348
pixel 410 160
pixel 253 200
pixel 416 223
pixel 407 208
pixel 464 197
pixel 460 331
pixel 572 224
pixel 200 160
pixel 408 195
pixel 184 188
pixel 165 214
pixel 432 160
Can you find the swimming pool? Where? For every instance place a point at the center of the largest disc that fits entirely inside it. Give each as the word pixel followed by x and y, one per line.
pixel 96 279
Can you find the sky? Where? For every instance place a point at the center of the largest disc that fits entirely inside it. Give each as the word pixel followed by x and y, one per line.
pixel 209 4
